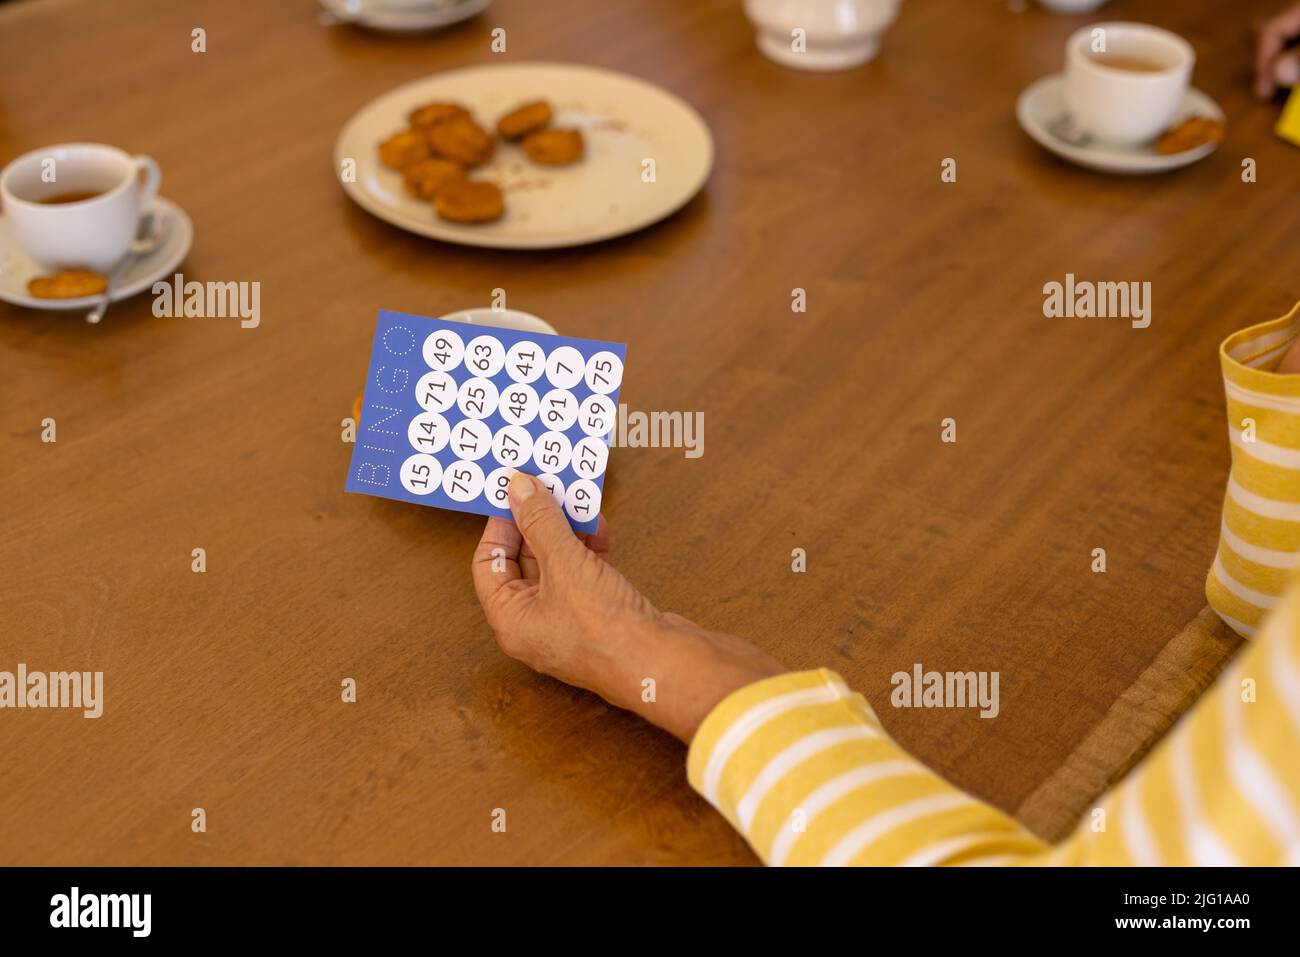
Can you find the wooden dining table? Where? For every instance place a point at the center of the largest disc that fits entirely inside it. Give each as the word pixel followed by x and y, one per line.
pixel 823 432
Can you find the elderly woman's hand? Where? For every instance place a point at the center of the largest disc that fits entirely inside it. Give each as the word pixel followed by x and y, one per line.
pixel 1275 65
pixel 558 606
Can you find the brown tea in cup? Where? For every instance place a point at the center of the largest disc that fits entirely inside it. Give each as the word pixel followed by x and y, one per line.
pixel 78 196
pixel 1129 64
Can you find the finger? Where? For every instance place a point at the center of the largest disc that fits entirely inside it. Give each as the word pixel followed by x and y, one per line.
pixel 541 521
pixel 496 559
pixel 1268 46
pixel 528 563
pixel 597 541
pixel 1286 70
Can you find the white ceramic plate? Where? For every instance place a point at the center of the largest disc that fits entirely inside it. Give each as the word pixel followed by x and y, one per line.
pixel 624 120
pixel 16 268
pixel 396 17
pixel 1043 103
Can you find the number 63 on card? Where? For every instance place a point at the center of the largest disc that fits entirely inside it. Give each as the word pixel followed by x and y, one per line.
pixel 452 410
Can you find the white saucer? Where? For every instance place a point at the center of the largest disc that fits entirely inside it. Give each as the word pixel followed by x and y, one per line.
pixel 16 268
pixel 395 18
pixel 1043 103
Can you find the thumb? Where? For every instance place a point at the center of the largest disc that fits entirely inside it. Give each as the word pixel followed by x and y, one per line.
pixel 540 519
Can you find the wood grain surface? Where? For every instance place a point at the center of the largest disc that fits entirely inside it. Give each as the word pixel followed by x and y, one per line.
pixel 822 431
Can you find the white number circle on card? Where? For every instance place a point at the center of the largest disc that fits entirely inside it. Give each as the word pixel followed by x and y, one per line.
pixel 582 500
pixel 604 372
pixel 596 415
pixel 512 446
pixel 554 486
pixel 443 350
pixel 559 410
pixel 551 451
pixel 428 432
pixel 519 404
pixel 525 361
pixel 497 487
pixel 589 457
pixel 462 481
pixel 477 398
pixel 471 439
pixel 484 356
pixel 421 474
pixel 564 367
pixel 436 391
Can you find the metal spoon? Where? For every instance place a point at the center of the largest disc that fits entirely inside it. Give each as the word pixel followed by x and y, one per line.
pixel 149 234
pixel 1064 128
pixel 350 11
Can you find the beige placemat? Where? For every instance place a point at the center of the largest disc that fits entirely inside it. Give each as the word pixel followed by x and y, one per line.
pixel 1141 716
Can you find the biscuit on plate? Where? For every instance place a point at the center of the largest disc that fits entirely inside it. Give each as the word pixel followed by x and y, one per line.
pixel 554 147
pixel 462 140
pixel 402 149
pixel 431 114
pixel 470 201
pixel 424 179
pixel 524 119
pixel 1189 134
pixel 69 284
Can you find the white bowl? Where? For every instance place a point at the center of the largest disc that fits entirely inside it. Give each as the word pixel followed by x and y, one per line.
pixel 837 34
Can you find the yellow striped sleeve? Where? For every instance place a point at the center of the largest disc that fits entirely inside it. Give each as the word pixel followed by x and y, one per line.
pixel 1260 532
pixel 800 765
pixel 1223 787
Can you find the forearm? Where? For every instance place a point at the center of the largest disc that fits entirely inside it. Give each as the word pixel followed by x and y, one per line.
pixel 674 672
pixel 800 765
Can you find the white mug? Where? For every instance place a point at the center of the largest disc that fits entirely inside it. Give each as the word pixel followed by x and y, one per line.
pixel 1126 107
pixel 91 233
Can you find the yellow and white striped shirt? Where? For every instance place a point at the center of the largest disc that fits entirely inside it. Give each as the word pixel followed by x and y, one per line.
pixel 802 767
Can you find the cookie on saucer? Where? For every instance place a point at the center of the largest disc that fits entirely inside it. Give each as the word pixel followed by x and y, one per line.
pixel 69 284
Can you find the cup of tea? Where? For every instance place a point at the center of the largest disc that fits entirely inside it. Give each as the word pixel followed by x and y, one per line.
pixel 77 204
pixel 1124 82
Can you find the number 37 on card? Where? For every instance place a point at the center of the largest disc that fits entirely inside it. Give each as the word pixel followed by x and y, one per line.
pixel 452 410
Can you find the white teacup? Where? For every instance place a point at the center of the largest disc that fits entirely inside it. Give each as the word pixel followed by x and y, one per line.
pixel 1131 92
pixel 1071 6
pixel 92 232
pixel 821 34
pixel 502 319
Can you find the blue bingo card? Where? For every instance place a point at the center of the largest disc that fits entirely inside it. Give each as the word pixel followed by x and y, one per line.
pixel 452 410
